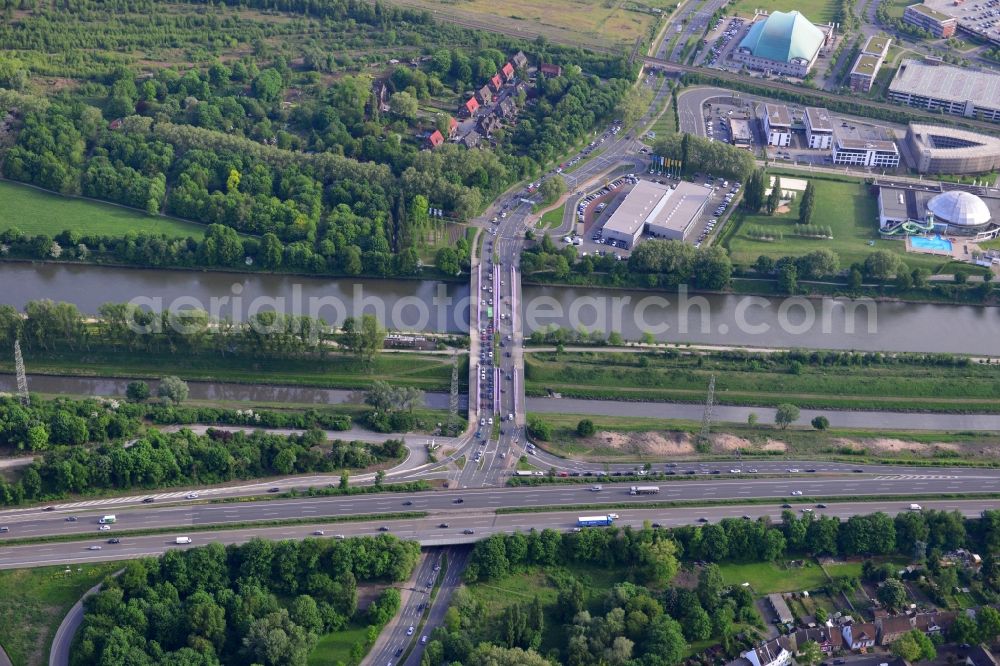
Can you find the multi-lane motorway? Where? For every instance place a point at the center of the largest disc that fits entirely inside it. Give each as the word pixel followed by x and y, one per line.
pixel 461 502
pixel 483 523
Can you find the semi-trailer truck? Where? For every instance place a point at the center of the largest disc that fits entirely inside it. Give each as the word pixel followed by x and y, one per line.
pixel 594 521
pixel 644 490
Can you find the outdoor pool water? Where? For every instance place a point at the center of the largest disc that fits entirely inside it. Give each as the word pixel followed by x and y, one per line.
pixel 931 243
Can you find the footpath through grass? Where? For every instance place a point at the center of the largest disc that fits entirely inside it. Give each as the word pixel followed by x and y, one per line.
pixel 34 601
pixel 37 212
pixel 899 383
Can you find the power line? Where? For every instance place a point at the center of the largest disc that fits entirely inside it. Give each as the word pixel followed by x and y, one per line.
pixel 706 420
pixel 22 380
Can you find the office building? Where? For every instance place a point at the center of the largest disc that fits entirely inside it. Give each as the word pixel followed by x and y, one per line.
pixel 865 145
pixel 819 128
pixel 777 125
pixel 938 24
pixel 869 62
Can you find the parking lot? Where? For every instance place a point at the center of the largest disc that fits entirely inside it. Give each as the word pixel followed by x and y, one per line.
pixel 596 208
pixel 726 36
pixel 982 17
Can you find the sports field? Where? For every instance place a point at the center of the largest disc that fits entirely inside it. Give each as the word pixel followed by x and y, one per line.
pixel 601 23
pixel 817 11
pixel 36 212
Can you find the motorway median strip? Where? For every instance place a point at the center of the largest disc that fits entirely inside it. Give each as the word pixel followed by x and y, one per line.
pixel 216 527
pixel 796 502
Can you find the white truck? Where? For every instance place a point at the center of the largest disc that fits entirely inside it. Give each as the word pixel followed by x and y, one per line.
pixel 107 520
pixel 182 540
pixel 915 507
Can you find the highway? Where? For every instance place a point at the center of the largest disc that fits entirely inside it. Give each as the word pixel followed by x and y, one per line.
pixel 446 503
pixel 427 532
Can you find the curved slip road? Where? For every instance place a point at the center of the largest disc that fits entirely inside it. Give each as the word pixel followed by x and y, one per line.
pixel 428 533
pixel 882 420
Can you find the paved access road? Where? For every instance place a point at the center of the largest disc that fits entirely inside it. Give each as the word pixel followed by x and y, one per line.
pixel 737 414
pixel 445 506
pixel 427 532
pixel 458 557
pixel 401 630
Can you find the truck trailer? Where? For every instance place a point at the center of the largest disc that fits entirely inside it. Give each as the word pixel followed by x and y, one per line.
pixel 644 490
pixel 594 521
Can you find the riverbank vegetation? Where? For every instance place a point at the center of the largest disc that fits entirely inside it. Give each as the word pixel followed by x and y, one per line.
pixel 33 602
pixel 262 602
pixel 657 596
pixel 303 128
pixel 835 380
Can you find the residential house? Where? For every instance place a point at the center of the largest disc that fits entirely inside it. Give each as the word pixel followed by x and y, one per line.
pixel 506 109
pixel 551 70
pixel 485 95
pixel 772 653
pixel 520 61
pixel 859 636
pixel 781 609
pixel 934 624
pixel 980 656
pixel 471 106
pixel 488 124
pixel 823 636
pixel 470 140
pixel 891 628
pixel 435 139
pixel 507 71
pixel 496 83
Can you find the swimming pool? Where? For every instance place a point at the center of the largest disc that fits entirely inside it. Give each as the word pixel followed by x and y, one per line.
pixel 935 243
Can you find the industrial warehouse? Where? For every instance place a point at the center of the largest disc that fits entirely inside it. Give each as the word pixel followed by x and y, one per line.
pixel 659 210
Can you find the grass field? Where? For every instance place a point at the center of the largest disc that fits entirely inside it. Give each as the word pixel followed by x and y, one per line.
pixel 430 373
pixel 846 207
pixel 761 380
pixel 34 601
pixel 768 577
pixel 37 212
pixel 817 11
pixel 592 22
pixel 336 647
pixel 553 218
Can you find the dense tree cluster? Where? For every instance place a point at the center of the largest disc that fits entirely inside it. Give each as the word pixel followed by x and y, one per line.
pixel 63 422
pixel 324 184
pixel 159 459
pixel 262 602
pixel 700 155
pixel 653 263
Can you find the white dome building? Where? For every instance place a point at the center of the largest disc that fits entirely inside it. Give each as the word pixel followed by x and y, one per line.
pixel 963 212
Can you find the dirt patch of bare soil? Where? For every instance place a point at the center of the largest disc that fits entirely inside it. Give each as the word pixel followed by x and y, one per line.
pixel 891 446
pixel 648 443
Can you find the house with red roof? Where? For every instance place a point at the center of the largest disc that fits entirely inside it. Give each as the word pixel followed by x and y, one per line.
pixel 471 106
pixel 549 69
pixel 496 83
pixel 435 139
pixel 508 71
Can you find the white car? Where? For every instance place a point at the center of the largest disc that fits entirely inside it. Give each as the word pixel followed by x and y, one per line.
pixel 796 492
pixel 191 496
pixel 104 528
pixel 94 548
pixel 409 632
